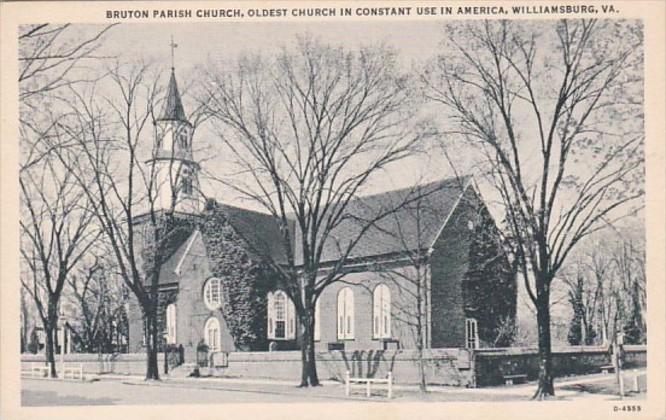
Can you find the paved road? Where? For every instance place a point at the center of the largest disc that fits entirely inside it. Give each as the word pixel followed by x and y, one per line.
pixel 44 392
pixel 40 392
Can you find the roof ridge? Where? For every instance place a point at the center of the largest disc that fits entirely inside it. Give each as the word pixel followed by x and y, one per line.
pixel 230 206
pixel 463 182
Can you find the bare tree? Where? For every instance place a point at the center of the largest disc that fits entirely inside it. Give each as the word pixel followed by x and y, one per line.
pixel 580 327
pixel 52 57
pixel 555 112
pixel 101 319
pixel 110 129
pixel 412 277
pixel 56 233
pixel 49 55
pixel 629 260
pixel 308 129
pixel 606 282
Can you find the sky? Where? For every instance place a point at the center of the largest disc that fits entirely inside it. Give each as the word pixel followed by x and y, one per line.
pixel 415 42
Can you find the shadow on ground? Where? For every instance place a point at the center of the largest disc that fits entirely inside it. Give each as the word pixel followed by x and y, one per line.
pixel 50 399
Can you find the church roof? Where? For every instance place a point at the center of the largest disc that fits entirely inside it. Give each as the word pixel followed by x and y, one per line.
pixel 173 105
pixel 416 217
pixel 420 216
pixel 260 230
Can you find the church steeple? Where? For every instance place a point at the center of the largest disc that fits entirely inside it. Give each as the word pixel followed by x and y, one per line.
pixel 173 106
pixel 176 172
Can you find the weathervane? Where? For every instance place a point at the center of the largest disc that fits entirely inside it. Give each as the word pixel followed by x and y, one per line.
pixel 173 46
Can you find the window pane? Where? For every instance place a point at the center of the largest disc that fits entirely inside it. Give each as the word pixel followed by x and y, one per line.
pixel 279 329
pixel 280 307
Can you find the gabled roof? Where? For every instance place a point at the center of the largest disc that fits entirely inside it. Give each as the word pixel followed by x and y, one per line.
pixel 417 216
pixel 173 105
pixel 175 253
pixel 260 230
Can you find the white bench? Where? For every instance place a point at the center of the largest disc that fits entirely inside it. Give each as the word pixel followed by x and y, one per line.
pixel 606 369
pixel 38 369
pixel 75 371
pixel 368 383
pixel 512 379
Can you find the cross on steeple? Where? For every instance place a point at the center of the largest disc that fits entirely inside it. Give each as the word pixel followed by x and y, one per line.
pixel 173 46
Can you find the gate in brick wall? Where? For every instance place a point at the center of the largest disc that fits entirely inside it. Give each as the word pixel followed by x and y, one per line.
pixel 174 355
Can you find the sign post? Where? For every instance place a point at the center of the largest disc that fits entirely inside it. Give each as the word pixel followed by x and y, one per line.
pixel 617 361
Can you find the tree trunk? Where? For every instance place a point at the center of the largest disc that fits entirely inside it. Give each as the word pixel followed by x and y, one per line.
pixel 421 365
pixel 50 350
pixel 420 299
pixel 308 361
pixel 152 368
pixel 545 387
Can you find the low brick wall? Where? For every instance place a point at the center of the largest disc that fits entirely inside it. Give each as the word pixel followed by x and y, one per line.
pixel 442 366
pixel 119 364
pixel 455 367
pixel 490 365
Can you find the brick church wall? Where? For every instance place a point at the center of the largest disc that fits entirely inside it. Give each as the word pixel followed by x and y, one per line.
pixel 448 265
pixel 363 285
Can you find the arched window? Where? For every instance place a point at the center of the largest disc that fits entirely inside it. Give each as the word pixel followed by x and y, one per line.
pixel 471 334
pixel 213 293
pixel 281 316
pixel 182 139
pixel 186 181
pixel 171 323
pixel 381 312
pixel 346 314
pixel 212 334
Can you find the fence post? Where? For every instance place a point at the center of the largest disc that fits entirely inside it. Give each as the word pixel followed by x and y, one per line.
pixel 636 387
pixel 347 384
pixel 390 385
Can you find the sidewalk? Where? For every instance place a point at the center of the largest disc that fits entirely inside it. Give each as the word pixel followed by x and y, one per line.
pixel 335 390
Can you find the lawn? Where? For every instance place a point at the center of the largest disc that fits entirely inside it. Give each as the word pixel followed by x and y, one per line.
pixel 610 386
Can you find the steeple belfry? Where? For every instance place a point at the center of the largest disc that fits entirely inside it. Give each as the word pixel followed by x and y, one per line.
pixel 176 172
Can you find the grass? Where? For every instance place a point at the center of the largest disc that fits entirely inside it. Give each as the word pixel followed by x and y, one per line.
pixel 610 385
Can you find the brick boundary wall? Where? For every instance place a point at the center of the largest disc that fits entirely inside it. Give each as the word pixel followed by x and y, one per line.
pixel 456 367
pixel 490 365
pixel 442 366
pixel 118 364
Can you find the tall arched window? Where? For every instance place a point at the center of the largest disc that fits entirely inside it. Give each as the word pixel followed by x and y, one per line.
pixel 171 323
pixel 212 334
pixel 281 316
pixel 317 315
pixel 471 333
pixel 346 314
pixel 213 293
pixel 381 312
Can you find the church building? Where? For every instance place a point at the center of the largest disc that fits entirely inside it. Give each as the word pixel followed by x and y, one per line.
pixel 443 254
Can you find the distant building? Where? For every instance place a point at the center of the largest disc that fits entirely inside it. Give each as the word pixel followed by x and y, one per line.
pixel 216 288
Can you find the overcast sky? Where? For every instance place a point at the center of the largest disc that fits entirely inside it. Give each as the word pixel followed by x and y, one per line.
pixel 415 43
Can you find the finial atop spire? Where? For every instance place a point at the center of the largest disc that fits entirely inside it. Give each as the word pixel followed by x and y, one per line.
pixel 173 47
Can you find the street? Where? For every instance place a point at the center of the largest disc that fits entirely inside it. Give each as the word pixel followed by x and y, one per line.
pixel 41 392
pixel 133 390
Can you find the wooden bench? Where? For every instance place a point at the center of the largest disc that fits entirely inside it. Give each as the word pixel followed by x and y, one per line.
pixel 368 383
pixel 511 379
pixel 607 369
pixel 39 369
pixel 74 371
